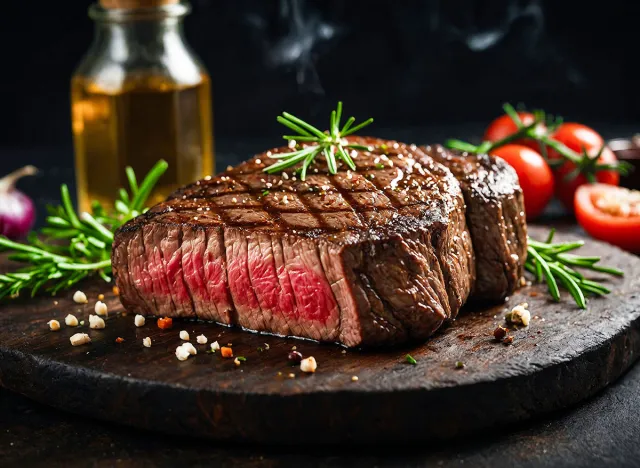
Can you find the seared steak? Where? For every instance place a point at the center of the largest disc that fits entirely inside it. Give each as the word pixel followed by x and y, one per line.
pixel 495 216
pixel 377 256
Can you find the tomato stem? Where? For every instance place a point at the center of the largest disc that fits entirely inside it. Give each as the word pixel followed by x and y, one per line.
pixel 585 164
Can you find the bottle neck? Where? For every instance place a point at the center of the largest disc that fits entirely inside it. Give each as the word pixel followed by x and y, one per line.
pixel 139 35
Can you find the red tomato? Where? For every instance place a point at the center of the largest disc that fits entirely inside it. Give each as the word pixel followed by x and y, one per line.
pixel 504 126
pixel 536 178
pixel 579 138
pixel 610 213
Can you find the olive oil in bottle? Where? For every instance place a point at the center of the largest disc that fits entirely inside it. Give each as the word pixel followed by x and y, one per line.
pixel 139 96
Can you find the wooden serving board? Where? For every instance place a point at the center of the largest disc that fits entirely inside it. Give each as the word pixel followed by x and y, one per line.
pixel 563 357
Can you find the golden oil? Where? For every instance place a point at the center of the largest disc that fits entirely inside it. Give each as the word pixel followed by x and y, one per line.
pixel 148 119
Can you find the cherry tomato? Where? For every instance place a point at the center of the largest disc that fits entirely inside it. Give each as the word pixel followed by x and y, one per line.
pixel 579 137
pixel 504 126
pixel 610 213
pixel 536 178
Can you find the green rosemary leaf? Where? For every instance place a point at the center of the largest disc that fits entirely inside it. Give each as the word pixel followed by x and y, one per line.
pixel 308 127
pixel 331 160
pixel 131 177
pixel 294 127
pixel 511 112
pixel 344 155
pixel 410 359
pixel 352 130
pixel 610 270
pixel 460 146
pixel 548 276
pixel 347 125
pixel 301 138
pixel 358 147
pixel 570 284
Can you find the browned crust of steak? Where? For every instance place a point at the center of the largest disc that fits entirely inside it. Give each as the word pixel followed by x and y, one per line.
pixel 387 247
pixel 495 217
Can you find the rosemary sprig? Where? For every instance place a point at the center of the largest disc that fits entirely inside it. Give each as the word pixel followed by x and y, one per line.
pixel 72 247
pixel 552 263
pixel 585 164
pixel 331 144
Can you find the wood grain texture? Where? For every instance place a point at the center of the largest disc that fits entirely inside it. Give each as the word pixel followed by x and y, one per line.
pixel 564 356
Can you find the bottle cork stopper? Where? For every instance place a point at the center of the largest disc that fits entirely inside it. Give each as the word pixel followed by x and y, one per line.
pixel 131 4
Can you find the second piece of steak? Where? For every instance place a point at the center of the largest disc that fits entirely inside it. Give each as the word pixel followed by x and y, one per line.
pixel 372 257
pixel 495 216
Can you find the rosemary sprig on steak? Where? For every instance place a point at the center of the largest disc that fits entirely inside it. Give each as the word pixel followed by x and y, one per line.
pixel 585 164
pixel 552 263
pixel 330 144
pixel 74 246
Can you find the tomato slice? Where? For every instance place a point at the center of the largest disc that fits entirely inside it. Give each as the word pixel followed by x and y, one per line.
pixel 610 213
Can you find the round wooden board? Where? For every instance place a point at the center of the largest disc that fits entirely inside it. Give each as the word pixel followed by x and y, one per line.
pixel 564 356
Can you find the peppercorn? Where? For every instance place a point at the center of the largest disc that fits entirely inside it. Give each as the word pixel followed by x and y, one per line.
pixel 295 357
pixel 499 333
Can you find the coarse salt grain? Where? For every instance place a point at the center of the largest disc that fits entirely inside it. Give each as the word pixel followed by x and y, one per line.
pixel 146 342
pixel 308 365
pixel 101 308
pixel 54 325
pixel 182 354
pixel 71 321
pixel 201 339
pixel 96 322
pixel 80 298
pixel 190 348
pixel 236 361
pixel 354 378
pixel 215 346
pixel 184 335
pixel 258 161
pixel 80 339
pixel 139 320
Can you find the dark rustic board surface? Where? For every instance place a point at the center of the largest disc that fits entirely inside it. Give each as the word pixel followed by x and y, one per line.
pixel 564 356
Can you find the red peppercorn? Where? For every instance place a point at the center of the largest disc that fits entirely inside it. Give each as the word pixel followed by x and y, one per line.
pixel 295 357
pixel 499 333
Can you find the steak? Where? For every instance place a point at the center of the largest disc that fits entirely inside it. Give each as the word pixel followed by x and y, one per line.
pixel 377 256
pixel 495 217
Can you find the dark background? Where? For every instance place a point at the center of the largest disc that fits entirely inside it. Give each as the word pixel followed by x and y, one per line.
pixel 406 63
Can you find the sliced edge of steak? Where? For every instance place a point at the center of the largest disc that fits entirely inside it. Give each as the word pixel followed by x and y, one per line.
pixel 495 217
